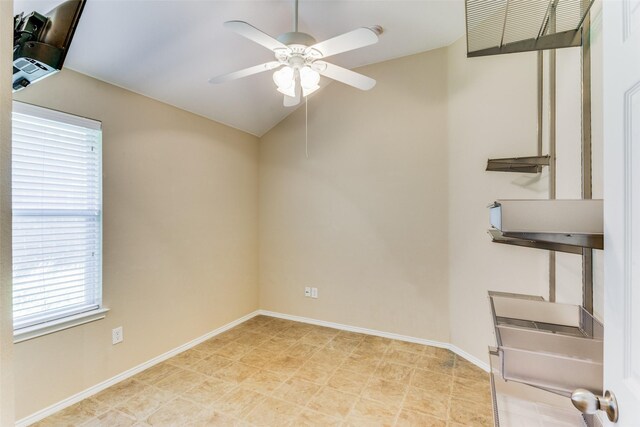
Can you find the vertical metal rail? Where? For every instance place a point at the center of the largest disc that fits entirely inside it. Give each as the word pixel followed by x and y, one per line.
pixel 504 23
pixel 587 254
pixel 466 19
pixel 540 98
pixel 552 143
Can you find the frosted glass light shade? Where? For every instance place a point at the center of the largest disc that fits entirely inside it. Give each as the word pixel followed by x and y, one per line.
pixel 309 91
pixel 284 78
pixel 309 78
pixel 290 91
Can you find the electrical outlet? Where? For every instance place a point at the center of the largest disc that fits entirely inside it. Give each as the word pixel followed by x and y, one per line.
pixel 307 291
pixel 314 292
pixel 116 335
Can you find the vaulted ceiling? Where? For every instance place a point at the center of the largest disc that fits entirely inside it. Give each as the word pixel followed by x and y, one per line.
pixel 168 49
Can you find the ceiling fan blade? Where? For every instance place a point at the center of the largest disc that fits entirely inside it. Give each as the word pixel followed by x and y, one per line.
pixel 348 41
pixel 343 75
pixel 254 34
pixel 245 72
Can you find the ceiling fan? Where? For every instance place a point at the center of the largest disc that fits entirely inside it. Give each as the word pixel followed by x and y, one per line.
pixel 299 59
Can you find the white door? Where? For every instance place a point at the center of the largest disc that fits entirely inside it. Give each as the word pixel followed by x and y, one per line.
pixel 621 97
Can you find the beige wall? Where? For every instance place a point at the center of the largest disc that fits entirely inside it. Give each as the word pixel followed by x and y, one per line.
pixel 180 237
pixel 6 322
pixel 364 218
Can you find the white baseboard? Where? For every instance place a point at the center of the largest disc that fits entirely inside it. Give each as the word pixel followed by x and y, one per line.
pixel 471 358
pixel 479 363
pixel 33 418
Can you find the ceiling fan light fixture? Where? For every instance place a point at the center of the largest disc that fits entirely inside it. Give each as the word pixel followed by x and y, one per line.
pixel 284 78
pixel 308 91
pixel 309 78
pixel 291 91
pixel 302 58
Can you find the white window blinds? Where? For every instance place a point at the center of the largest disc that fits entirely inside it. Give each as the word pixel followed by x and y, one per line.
pixel 57 215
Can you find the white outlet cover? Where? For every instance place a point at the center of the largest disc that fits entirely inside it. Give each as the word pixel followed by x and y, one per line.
pixel 117 335
pixel 314 292
pixel 307 291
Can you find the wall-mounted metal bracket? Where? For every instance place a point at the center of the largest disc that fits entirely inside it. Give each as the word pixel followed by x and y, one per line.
pixel 593 241
pixel 532 164
pixel 498 237
pixel 552 41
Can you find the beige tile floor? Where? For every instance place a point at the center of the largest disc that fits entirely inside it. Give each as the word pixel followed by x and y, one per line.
pixel 273 372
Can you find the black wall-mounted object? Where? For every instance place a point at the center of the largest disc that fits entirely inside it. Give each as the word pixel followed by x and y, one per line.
pixel 41 42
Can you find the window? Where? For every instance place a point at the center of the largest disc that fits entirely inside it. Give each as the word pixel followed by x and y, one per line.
pixel 57 216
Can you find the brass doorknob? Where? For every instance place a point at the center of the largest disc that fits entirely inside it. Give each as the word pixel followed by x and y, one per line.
pixel 589 403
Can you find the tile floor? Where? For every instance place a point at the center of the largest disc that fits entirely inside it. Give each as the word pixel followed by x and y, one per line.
pixel 273 372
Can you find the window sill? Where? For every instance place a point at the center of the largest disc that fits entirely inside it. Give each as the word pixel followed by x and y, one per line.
pixel 36 331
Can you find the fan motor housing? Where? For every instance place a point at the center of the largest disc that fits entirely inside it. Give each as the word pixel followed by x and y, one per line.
pixel 296 38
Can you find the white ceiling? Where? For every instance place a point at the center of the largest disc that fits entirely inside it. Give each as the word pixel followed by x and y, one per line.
pixel 168 49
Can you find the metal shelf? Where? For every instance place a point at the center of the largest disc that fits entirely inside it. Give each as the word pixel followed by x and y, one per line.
pixel 559 223
pixel 519 404
pixel 532 164
pixel 552 346
pixel 509 26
